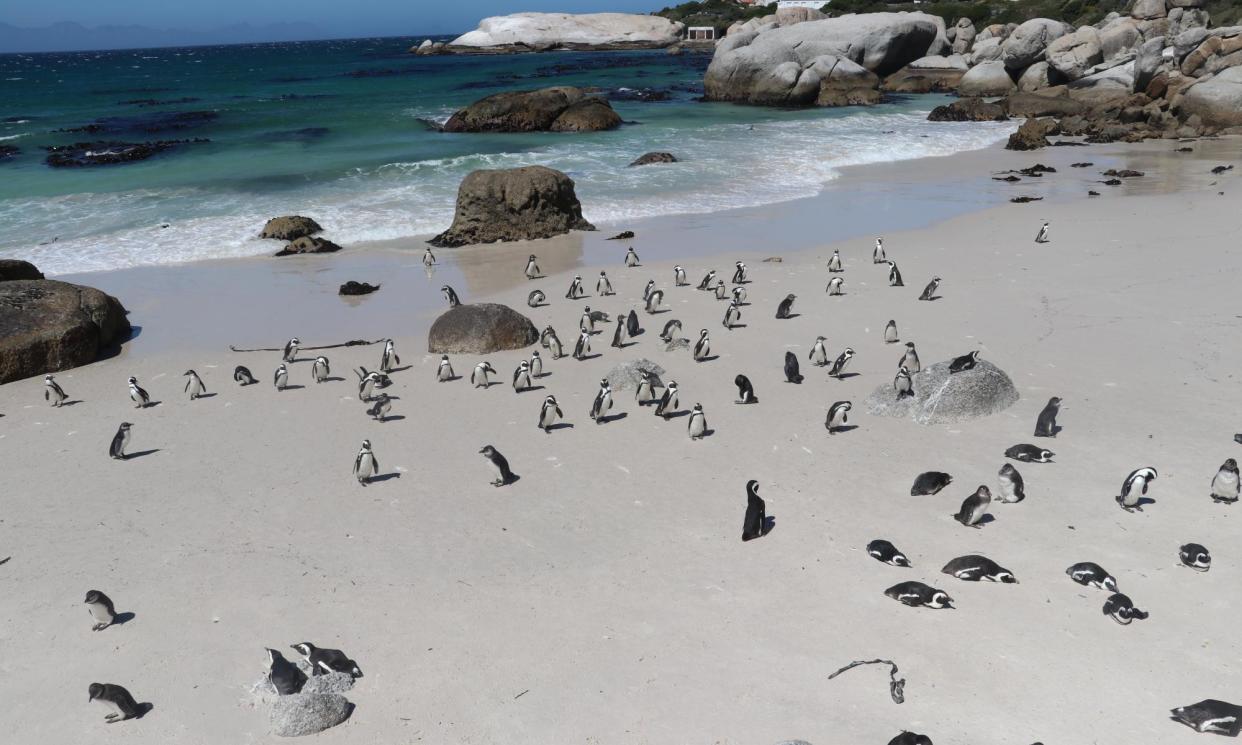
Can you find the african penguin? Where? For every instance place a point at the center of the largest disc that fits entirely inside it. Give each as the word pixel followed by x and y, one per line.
pixel 321 369
pixel 786 306
pixel 586 322
pixel 242 375
pixel 367 384
pixel 1010 488
pixel 444 372
pixel 732 316
pixel 117 699
pixel 429 259
pixel 707 281
pixel 745 391
pixel 671 328
pixel 1042 235
pixel 1029 454
pixel 910 360
pixel 974 508
pixel 535 365
pixel 1225 483
pixel 101 610
pixel 194 384
pixel 549 413
pixel 917 594
pixel 964 363
pixel 834 264
pixel 754 524
pixel 834 286
pixel 631 258
pixel 703 347
pixel 739 273
pixel 1211 715
pixel 668 402
pixel 503 475
pixel 902 383
pixel 380 408
pixel 631 324
pixel 575 290
pixel 536 298
pixel 291 350
pixel 791 368
pixel 648 288
pixel 583 347
pixel 739 295
pixel 697 426
pixel 722 292
pixel 1121 609
pixel 554 346
pixel 838 367
pixel 286 677
pixel 1046 424
pixel 890 332
pixel 930 482
pixel 1195 556
pixel 532 268
pixel 389 357
pixel 877 256
pixel 119 441
pixel 603 286
pixel 1090 574
pixel 654 300
pixel 679 277
pixel 323 661
pixel 138 394
pixel 645 392
pixel 451 296
pixel 894 275
pixel 478 378
pixel 602 403
pixel 1134 487
pixel 838 416
pixel 281 377
pixel 929 292
pixel 883 551
pixel 973 568
pixel 818 355
pixel 365 463
pixel 52 392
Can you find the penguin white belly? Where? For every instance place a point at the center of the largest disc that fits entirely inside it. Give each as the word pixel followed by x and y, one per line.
pixel 1225 485
pixel 100 613
pixel 697 425
pixel 113 707
pixel 366 467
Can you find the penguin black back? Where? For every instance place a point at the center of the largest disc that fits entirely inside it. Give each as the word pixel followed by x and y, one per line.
pixel 791 368
pixel 929 483
pixel 631 324
pixel 242 375
pixel 755 522
pixel 745 391
pixel 1046 425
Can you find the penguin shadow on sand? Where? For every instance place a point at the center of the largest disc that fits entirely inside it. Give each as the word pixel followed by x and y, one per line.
pixel 399 369
pixel 533 388
pixel 842 429
pixel 200 396
pixel 845 376
pixel 614 417
pixel 708 358
pixel 560 425
pixel 140 454
pixel 382 477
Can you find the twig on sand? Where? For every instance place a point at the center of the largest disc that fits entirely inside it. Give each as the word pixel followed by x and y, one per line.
pixel 523 693
pixel 354 343
pixel 896 688
pixel 5 560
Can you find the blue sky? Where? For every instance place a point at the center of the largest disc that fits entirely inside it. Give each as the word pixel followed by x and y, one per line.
pixel 355 17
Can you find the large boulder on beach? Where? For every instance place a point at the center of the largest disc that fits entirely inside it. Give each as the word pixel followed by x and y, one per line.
pixel 1031 135
pixel 986 79
pixel 11 269
pixel 47 326
pixel 1028 42
pixel 1105 86
pixel 1216 100
pixel 559 109
pixel 482 328
pixel 513 204
pixel 547 31
pixel 943 398
pixel 627 375
pixel 1073 54
pixel 303 714
pixel 777 67
pixel 289 227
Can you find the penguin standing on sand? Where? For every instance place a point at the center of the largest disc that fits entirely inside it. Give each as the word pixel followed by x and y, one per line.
pixel 1211 715
pixel 324 661
pixel 379 410
pixel 532 268
pixel 1225 483
pixel 910 360
pixel 52 392
pixel 834 286
pixel 786 306
pixel 679 276
pixel 549 413
pixel 708 280
pixel 877 255
pixel 367 384
pixel 602 403
pixel 603 285
pixel 536 298
pixel 894 275
pixel 698 423
pixel 645 393
pixel 120 701
pixel 1046 424
pixel 703 347
pixel 631 258
pixel 974 568
pixel 521 377
pixel 101 610
pixel 618 334
pixel 732 316
pixel 818 355
pixel 429 259
pixel 929 483
pixel 974 508
pixel 1090 574
pixel 138 394
pixel 575 289
pixel 554 345
pixel 194 384
pixel 242 375
pixel 631 324
pixel 583 347
pixel 444 372
pixel 504 476
pixel 1042 235
pixel 838 416
pixel 536 365
pixel 479 377
pixel 755 522
pixel 929 292
pixel 389 358
pixel 1121 609
pixel 917 594
pixel 320 370
pixel 672 328
pixel 291 350
pixel 119 441
pixel 903 384
pixel 451 296
pixel 838 366
pixel 286 677
pixel 281 377
pixel 890 332
pixel 1012 489
pixel 1134 487
pixel 365 464
pixel 739 295
pixel 586 323
pixel 648 288
pixel 745 391
pixel 739 273
pixel 722 292
pixel 883 551
pixel 654 300
pixel 791 368
pixel 834 264
pixel 964 363
pixel 1195 556
pixel 668 402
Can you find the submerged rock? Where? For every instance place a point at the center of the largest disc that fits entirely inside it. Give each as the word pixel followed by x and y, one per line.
pixel 940 397
pixel 482 328
pixel 968 110
pixel 650 158
pixel 512 205
pixel 308 245
pixel 47 325
pixel 86 154
pixel 558 109
pixel 307 713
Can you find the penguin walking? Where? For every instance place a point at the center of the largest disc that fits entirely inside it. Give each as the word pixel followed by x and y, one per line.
pixel 450 295
pixel 286 677
pixel 838 366
pixel 603 286
pixel 321 369
pixel 444 372
pixel 929 292
pixel 536 365
pixel 586 322
pixel 745 391
pixel 1046 424
pixel 290 354
pixel 648 288
pixel 504 476
pixel 602 403
pixel 1029 454
pixel 739 295
pixel 910 360
pixel 679 277
pixel 834 287
pixel 877 255
pixel 653 301
pixel 838 416
pixel 668 402
pixel 964 363
pixel 324 661
pixel 885 552
pixel 818 355
pixel 521 377
pixel 101 610
pixel 755 524
pixel 903 384
pixel 365 463
pixel 389 359
pixel 1121 609
pixel 890 332
pixel 974 568
pixel 120 440
pixel 194 384
pixel 429 259
pixel 1225 483
pixel 929 483
pixel 732 316
pixel 120 702
pixel 241 374
pixel 722 292
pixel 708 280
pixel 532 268
pixel 703 347
pixel 554 346
pixel 1134 487
pixel 549 413
pixel 1011 487
pixel 631 324
pixel 791 368
pixel 834 264
pixel 697 426
pixel 583 347
pixel 671 330
pixel 739 273
pixel 366 386
pixel 536 298
pixel 52 392
pixel 1211 715
pixel 1195 556
pixel 1042 235
pixel 138 394
pixel 786 306
pixel 575 290
pixel 631 258
pixel 974 508
pixel 1090 574
pixel 380 408
pixel 645 392
pixel 918 594
pixel 479 378
pixel 894 275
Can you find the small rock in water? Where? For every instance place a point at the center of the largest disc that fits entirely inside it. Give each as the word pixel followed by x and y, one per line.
pixel 1112 182
pixel 1092 193
pixel 1010 179
pixel 1037 169
pixel 650 158
pixel 623 235
pixel 1221 169
pixel 1124 173
pixel 308 245
pixel 1081 165
pixel 357 288
pixel 1024 200
pixel 1185 150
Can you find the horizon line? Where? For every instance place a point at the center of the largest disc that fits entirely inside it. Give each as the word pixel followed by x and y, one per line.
pixel 226 44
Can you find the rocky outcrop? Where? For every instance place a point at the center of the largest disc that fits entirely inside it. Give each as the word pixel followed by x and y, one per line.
pixel 303 714
pixel 1039 76
pixel 430 48
pixel 962 35
pixel 108 153
pixel 647 159
pixel 11 269
pixel 791 16
pixel 941 397
pixel 1032 135
pixel 1104 86
pixel 1029 41
pixel 1030 105
pixel 561 109
pixel 480 329
pixel 512 205
pixel 845 83
pixel 936 74
pixel 1073 54
pixel 289 227
pixel 778 66
pixel 1217 100
pixel 522 32
pixel 986 79
pixel 968 110
pixel 47 326
pixel 308 245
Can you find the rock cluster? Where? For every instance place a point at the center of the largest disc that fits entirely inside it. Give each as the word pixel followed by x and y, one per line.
pixel 300 232
pixel 560 109
pixel 539 32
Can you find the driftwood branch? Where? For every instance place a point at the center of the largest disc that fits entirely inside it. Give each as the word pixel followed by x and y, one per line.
pixel 354 343
pixel 896 687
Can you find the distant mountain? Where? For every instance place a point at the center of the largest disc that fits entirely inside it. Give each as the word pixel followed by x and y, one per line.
pixel 63 37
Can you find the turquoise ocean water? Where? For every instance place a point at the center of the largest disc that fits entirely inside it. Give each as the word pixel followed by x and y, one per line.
pixel 338 130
